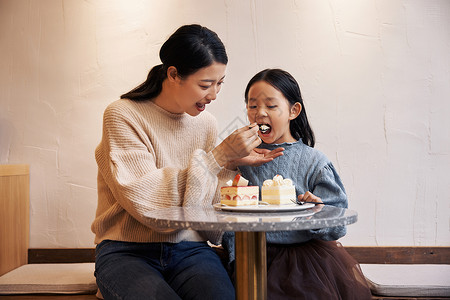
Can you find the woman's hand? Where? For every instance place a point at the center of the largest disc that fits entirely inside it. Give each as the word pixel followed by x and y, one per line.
pixel 237 145
pixel 256 158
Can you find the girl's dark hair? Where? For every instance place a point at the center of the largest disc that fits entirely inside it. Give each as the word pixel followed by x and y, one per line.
pixel 288 86
pixel 188 49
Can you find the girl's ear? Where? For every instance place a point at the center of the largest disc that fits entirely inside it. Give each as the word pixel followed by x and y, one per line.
pixel 172 74
pixel 295 110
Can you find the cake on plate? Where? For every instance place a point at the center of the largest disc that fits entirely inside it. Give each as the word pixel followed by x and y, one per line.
pixel 278 191
pixel 239 193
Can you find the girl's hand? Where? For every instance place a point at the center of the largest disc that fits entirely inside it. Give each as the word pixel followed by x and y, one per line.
pixel 310 197
pixel 256 158
pixel 237 145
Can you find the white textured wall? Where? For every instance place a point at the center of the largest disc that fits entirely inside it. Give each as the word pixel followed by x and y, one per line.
pixel 375 76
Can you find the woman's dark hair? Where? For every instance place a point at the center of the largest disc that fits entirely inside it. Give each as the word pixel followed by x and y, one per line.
pixel 188 49
pixel 288 86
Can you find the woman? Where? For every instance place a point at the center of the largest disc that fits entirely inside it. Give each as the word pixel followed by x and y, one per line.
pixel 158 150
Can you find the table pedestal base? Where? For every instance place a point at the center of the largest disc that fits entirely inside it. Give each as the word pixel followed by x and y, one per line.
pixel 251 265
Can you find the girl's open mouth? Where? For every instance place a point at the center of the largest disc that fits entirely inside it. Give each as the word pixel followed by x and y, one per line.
pixel 264 128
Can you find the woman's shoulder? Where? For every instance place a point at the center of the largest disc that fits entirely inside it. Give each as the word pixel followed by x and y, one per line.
pixel 149 112
pixel 121 106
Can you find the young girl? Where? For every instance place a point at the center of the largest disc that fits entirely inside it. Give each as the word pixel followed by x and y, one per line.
pixel 158 150
pixel 306 264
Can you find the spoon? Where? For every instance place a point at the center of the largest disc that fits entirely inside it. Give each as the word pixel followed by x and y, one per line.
pixel 303 202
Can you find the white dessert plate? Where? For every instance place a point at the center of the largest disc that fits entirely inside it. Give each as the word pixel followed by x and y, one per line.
pixel 263 208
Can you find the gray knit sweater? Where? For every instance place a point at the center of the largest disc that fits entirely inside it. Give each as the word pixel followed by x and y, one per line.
pixel 310 170
pixel 148 159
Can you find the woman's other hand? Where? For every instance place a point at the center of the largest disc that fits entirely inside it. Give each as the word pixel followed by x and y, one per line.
pixel 256 158
pixel 237 145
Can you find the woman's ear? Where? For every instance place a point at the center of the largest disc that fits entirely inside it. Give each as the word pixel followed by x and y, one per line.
pixel 295 110
pixel 172 74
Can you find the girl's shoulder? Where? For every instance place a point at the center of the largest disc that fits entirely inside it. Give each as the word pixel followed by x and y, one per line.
pixel 313 155
pixel 299 152
pixel 300 147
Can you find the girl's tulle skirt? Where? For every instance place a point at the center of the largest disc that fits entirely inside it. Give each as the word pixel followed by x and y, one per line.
pixel 314 270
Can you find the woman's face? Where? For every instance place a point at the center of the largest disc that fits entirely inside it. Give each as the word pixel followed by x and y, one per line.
pixel 198 89
pixel 268 106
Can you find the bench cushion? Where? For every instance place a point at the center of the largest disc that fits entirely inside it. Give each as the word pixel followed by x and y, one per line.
pixel 74 278
pixel 404 280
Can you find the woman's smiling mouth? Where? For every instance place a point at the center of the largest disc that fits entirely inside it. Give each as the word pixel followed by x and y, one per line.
pixel 200 106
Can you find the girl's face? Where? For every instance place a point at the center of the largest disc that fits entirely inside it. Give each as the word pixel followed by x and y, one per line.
pixel 267 106
pixel 198 89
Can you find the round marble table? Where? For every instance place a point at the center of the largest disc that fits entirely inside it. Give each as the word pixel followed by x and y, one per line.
pixel 250 228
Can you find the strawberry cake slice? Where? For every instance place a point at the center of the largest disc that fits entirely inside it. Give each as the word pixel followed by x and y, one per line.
pixel 239 193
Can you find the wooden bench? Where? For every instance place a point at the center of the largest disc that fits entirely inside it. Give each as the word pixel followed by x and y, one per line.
pixel 16 274
pixel 405 272
pixel 14 216
pixel 375 256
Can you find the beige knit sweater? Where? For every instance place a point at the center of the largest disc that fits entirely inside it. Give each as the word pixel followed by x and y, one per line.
pixel 148 159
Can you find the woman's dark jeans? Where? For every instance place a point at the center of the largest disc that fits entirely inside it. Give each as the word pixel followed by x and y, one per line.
pixel 185 270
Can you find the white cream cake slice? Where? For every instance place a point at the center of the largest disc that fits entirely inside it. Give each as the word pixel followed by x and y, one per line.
pixel 278 191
